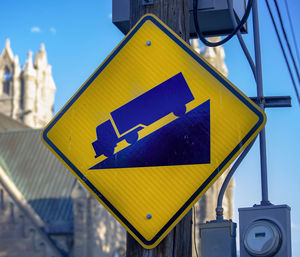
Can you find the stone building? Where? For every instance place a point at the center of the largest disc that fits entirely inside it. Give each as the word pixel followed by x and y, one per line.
pixel 44 211
pixel 27 94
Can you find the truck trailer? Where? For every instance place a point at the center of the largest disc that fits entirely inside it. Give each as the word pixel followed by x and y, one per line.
pixel 171 95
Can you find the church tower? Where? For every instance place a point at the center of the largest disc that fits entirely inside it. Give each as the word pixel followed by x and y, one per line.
pixel 27 94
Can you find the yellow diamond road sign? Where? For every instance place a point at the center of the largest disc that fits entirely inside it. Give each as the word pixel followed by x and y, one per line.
pixel 152 129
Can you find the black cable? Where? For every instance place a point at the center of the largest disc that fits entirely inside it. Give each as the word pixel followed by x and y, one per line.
pixel 282 49
pixel 219 209
pixel 292 30
pixel 211 44
pixel 286 39
pixel 246 52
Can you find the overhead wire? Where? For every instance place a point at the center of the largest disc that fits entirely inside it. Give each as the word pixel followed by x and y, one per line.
pixel 236 31
pixel 292 30
pixel 283 51
pixel 286 39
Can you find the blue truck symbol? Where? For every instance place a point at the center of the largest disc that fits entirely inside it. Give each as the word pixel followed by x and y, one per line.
pixel 170 96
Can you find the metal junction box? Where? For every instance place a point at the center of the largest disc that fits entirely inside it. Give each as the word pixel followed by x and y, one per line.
pixel 121 15
pixel 213 16
pixel 265 231
pixel 218 239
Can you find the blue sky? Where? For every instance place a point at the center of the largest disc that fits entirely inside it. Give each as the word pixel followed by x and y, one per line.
pixel 78 36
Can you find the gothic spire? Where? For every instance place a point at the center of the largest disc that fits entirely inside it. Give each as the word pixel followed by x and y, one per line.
pixel 7 50
pixel 28 66
pixel 40 60
pixel 7 43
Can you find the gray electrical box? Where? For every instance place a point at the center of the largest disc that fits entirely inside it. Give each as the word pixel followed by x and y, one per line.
pixel 213 16
pixel 121 15
pixel 218 239
pixel 265 231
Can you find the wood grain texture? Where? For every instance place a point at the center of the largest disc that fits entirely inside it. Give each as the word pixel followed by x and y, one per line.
pixel 172 12
pixel 178 243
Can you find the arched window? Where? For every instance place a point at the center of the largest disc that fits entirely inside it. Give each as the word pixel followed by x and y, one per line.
pixel 7 79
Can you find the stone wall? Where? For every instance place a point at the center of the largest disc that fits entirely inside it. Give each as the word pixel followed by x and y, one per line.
pixel 96 232
pixel 21 232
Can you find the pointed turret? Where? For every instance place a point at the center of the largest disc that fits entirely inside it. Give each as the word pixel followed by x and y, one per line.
pixel 7 56
pixel 6 70
pixel 7 43
pixel 40 61
pixel 28 69
pixel 7 52
pixel 45 88
pixel 16 88
pixel 31 90
pixel 29 80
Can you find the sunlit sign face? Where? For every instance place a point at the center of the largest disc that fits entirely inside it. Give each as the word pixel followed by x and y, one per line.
pixel 152 129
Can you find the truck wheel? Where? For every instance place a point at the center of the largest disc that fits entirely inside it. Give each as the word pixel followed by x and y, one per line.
pixel 132 138
pixel 180 111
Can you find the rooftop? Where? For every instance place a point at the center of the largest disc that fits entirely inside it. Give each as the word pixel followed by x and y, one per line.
pixel 42 179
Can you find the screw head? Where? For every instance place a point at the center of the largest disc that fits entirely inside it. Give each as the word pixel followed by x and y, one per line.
pixel 148 43
pixel 149 216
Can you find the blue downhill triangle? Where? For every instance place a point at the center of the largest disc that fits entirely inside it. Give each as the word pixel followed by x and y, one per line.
pixel 184 141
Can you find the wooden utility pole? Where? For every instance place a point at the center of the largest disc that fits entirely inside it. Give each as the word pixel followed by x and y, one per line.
pixel 178 243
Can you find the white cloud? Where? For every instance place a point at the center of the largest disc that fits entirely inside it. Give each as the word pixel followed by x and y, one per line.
pixel 109 16
pixel 35 30
pixel 293 225
pixel 53 30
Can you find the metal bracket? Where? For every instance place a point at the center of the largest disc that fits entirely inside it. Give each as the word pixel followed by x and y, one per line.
pixel 147 2
pixel 274 101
